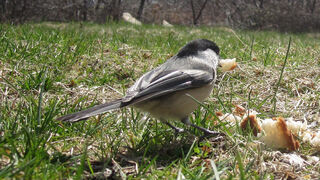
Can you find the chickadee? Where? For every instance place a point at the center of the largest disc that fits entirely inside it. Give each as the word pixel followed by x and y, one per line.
pixel 171 91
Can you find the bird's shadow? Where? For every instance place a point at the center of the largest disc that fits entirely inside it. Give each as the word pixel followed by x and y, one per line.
pixel 132 161
pixel 159 150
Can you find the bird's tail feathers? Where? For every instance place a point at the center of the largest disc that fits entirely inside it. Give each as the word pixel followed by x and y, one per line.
pixel 96 110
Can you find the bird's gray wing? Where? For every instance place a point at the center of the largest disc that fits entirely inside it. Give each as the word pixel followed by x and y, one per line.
pixel 148 87
pixel 167 82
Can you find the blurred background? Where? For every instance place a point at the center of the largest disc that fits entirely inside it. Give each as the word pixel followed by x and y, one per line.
pixel 284 15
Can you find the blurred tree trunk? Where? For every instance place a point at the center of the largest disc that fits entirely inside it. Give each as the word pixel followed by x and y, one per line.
pixel 195 17
pixel 84 9
pixel 312 5
pixel 115 9
pixel 15 10
pixel 2 7
pixel 106 10
pixel 140 9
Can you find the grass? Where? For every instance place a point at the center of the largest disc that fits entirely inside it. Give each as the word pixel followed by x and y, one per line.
pixel 51 69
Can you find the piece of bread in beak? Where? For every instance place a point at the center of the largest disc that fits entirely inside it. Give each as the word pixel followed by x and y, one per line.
pixel 227 64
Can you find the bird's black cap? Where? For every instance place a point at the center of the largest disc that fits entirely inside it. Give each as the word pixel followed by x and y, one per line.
pixel 194 46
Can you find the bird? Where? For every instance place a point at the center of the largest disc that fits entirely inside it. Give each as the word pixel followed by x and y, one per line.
pixel 171 91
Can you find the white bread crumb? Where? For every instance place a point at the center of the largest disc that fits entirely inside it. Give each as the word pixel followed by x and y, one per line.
pixel 296 127
pixel 277 135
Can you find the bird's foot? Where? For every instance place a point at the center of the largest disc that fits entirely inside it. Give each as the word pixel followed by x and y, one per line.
pixel 176 129
pixel 214 136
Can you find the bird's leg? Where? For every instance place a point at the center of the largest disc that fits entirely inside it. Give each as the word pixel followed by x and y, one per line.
pixel 207 132
pixel 176 129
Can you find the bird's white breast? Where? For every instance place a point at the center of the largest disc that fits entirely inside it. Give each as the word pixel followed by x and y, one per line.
pixel 178 105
